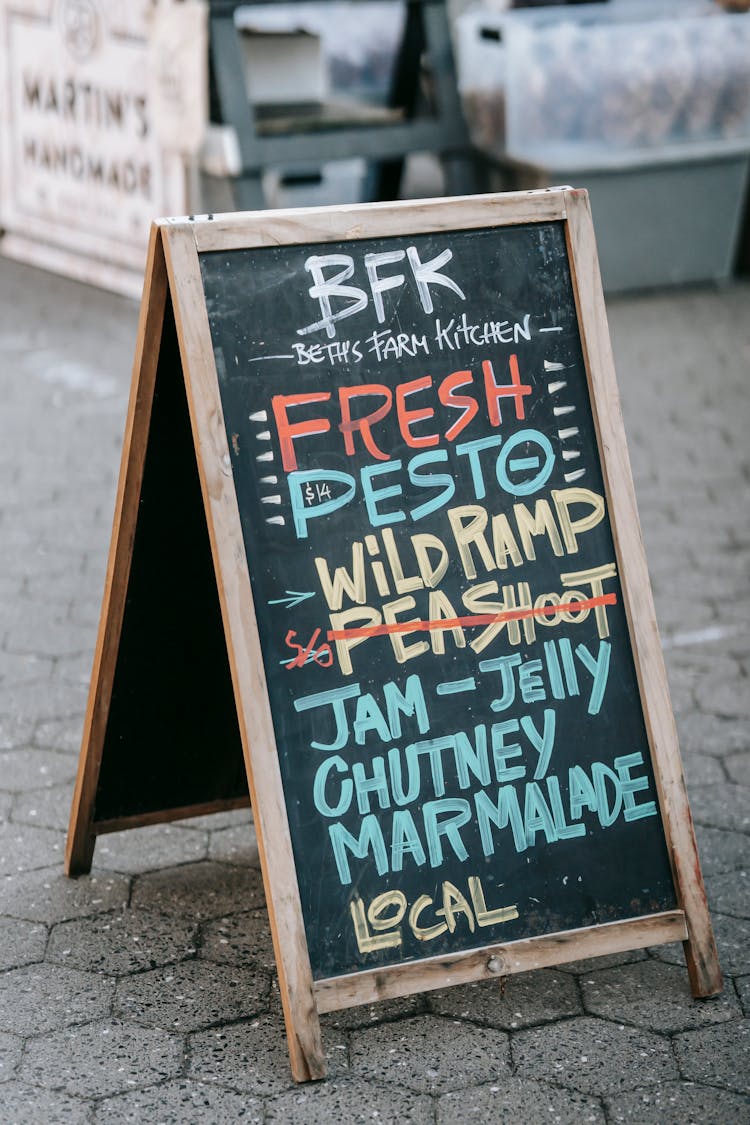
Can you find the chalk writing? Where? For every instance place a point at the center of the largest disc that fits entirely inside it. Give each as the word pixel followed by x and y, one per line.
pixel 454 695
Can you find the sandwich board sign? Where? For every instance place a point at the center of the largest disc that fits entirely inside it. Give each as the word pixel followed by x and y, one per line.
pixel 376 561
pixel 83 169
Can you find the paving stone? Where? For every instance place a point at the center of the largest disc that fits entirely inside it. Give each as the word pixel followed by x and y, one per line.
pixel 652 995
pixel 718 1056
pixel 59 734
pixel 420 1053
pixel 679 1103
pixel 718 696
pixel 21 943
pixel 730 893
pixel 34 769
pixel 519 1099
pixel 57 638
pixel 192 995
pixel 178 1102
pixel 201 890
pixel 239 939
pixel 721 850
pixel 156 846
pixel 39 998
pixel 702 769
pixel 101 1059
pixel 22 848
pixel 520 1001
pixel 253 1056
pixel 28 1105
pixel 733 941
pixel 721 806
pixel 57 700
pixel 122 943
pixel 48 896
pixel 738 768
pixel 10 1054
pixel 367 1015
pixel 49 807
pixel 593 1056
pixel 711 735
pixel 214 822
pixel 743 991
pixel 237 844
pixel 15 730
pixel 29 668
pixel 608 961
pixel 349 1101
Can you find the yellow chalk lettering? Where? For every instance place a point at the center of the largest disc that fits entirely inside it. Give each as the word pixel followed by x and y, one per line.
pixel 431 572
pixel 540 523
pixel 471 534
pixel 364 618
pixel 504 543
pixel 401 650
pixel 564 499
pixel 484 916
pixel 424 933
pixel 454 903
pixel 344 582
pixel 441 609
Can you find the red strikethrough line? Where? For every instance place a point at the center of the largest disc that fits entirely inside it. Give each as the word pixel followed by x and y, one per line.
pixel 467 622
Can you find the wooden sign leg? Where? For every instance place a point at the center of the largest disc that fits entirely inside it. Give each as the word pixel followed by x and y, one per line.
pixel 245 658
pixel 700 948
pixel 81 839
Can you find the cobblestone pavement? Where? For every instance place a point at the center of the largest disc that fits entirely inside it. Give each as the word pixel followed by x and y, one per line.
pixel 146 991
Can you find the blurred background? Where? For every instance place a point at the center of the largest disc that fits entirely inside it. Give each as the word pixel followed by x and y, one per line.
pixel 112 114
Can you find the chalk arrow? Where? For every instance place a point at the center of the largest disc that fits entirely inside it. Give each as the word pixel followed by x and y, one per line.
pixel 293 598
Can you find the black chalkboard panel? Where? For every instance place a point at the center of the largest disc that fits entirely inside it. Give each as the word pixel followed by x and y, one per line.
pixel 172 740
pixel 460 734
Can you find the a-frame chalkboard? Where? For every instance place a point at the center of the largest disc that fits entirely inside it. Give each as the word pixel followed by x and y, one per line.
pixel 377 561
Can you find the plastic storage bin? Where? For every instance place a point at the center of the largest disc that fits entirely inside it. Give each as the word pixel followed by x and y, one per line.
pixel 624 75
pixel 645 105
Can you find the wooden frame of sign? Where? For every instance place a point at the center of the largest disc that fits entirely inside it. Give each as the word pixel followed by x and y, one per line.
pixel 201 274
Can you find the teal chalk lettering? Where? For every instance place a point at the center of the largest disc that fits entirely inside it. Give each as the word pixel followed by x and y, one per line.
pixel 405 839
pixel 537 816
pixel 530 682
pixel 370 839
pixel 501 752
pixel 400 795
pixel 565 831
pixel 334 699
pixel 472 760
pixel 545 467
pixel 444 819
pixel 369 718
pixel 302 512
pixel 599 669
pixel 571 678
pixel 433 748
pixel 376 783
pixel 443 481
pixel 631 785
pixel 373 496
pixel 319 787
pixel 581 792
pixel 543 742
pixel 410 703
pixel 608 813
pixel 553 668
pixel 504 665
pixel 471 449
pixel 502 813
